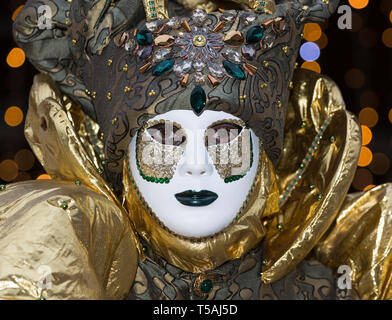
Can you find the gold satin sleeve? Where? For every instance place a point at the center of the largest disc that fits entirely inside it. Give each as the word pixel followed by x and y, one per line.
pixel 362 239
pixel 81 250
pixel 318 195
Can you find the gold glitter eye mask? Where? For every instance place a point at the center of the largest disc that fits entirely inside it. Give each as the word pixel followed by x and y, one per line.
pixel 160 145
pixel 232 152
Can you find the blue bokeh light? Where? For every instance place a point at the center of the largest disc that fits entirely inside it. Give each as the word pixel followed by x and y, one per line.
pixel 310 51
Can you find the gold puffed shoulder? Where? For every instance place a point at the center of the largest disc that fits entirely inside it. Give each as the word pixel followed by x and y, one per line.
pixel 361 238
pixel 73 226
pixel 59 240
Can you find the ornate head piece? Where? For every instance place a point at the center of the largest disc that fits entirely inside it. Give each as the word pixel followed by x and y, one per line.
pixel 124 72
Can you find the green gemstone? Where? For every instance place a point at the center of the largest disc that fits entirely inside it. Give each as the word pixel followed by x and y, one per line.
pixel 264 262
pixel 319 196
pixel 42 298
pixel 144 37
pixel 78 183
pixel 234 70
pixel 161 180
pixel 332 139
pixel 64 205
pixel 100 170
pixel 312 186
pixel 279 226
pixel 302 165
pixel 206 286
pixel 254 34
pixel 163 67
pixel 303 124
pixel 167 180
pixel 198 99
pixel 2 187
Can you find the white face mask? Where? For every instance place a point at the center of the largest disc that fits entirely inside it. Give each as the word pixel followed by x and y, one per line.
pixel 205 192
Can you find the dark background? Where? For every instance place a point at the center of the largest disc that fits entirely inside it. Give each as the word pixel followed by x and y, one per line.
pixel 358 60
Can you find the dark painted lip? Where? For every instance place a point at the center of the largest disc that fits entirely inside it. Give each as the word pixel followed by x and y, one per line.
pixel 196 198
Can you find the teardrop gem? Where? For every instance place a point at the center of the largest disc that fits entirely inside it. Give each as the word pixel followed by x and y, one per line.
pixel 144 37
pixel 198 100
pixel 163 67
pixel 234 70
pixel 254 34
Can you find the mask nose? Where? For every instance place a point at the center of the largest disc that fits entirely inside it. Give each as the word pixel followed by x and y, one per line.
pixel 196 162
pixel 196 170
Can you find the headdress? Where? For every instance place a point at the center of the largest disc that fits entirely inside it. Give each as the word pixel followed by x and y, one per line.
pixel 123 70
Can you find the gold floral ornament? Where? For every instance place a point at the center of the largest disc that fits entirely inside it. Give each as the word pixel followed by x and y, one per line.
pixel 199 52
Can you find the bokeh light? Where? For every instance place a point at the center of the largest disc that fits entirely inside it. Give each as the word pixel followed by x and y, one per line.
pixel 358 4
pixel 312 32
pixel 368 117
pixel 44 177
pixel 16 58
pixel 369 187
pixel 380 164
pixel 365 157
pixel 22 176
pixel 387 37
pixel 363 178
pixel 13 116
pixel 16 12
pixel 357 22
pixel 354 78
pixel 309 51
pixel 25 159
pixel 323 41
pixel 366 135
pixel 390 116
pixel 311 65
pixel 8 170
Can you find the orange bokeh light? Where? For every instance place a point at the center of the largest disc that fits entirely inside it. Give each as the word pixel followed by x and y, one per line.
pixel 323 41
pixel 8 170
pixel 358 4
pixel 16 58
pixel 369 187
pixel 387 37
pixel 25 159
pixel 44 177
pixel 390 116
pixel 365 157
pixel 311 65
pixel 312 32
pixel 366 135
pixel 13 116
pixel 16 12
pixel 368 117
